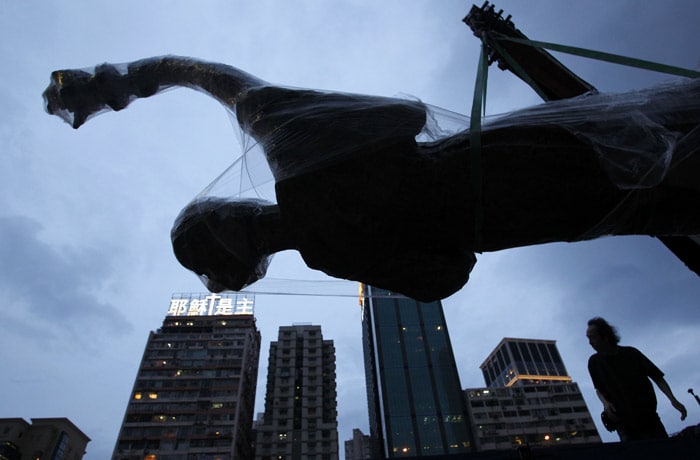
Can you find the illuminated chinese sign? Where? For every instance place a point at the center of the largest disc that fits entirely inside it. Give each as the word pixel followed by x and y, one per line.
pixel 211 305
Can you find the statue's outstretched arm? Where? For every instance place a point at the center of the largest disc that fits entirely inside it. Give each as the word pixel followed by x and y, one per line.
pixel 77 95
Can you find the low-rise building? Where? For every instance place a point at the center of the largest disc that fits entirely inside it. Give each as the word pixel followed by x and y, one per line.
pixel 42 438
pixel 529 399
pixel 358 448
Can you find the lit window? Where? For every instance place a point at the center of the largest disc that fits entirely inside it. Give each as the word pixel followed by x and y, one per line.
pixel 152 395
pixel 137 395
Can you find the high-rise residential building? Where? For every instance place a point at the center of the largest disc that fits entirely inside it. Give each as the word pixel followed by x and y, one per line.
pixel 300 419
pixel 358 448
pixel 195 389
pixel 46 438
pixel 529 399
pixel 416 407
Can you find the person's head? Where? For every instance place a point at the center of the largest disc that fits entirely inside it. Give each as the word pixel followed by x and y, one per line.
pixel 218 240
pixel 601 335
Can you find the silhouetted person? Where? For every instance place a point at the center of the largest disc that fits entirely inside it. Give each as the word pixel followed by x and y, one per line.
pixel 621 376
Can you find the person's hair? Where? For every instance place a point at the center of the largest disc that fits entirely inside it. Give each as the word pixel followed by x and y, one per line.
pixel 605 330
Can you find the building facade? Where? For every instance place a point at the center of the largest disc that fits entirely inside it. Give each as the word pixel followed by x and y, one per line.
pixel 49 438
pixel 416 407
pixel 300 419
pixel 358 448
pixel 529 399
pixel 194 393
pixel 522 361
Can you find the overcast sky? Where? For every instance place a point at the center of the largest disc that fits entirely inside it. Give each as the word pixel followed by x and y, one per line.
pixel 86 266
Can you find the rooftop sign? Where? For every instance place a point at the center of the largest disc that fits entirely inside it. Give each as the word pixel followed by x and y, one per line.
pixel 211 305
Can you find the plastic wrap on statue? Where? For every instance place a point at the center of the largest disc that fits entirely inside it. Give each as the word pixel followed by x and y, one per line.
pixel 370 189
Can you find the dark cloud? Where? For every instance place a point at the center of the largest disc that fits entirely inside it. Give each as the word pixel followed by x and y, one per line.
pixel 49 291
pixel 632 279
pixel 53 295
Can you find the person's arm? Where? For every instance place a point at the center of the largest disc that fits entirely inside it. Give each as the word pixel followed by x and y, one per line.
pixel 666 389
pixel 608 407
pixel 75 95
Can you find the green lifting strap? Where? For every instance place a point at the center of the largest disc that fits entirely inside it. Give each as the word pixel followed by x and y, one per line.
pixel 478 105
pixel 479 101
pixel 601 56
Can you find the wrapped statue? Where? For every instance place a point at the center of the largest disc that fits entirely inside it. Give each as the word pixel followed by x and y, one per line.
pixel 367 189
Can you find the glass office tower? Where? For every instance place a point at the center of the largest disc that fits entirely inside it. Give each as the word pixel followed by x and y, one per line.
pixel 413 390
